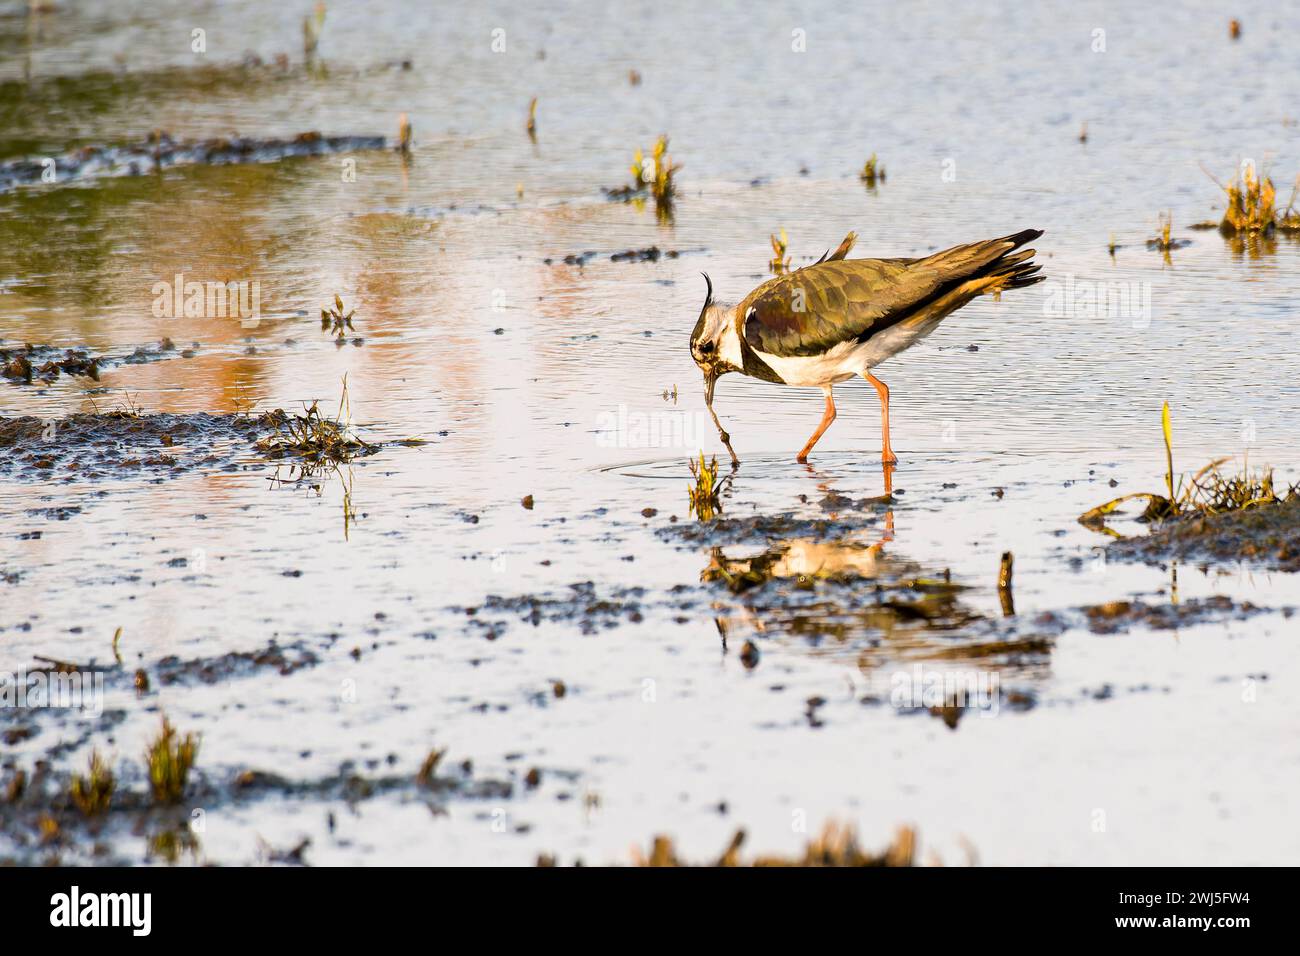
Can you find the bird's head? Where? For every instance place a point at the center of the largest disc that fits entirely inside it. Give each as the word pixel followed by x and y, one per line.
pixel 707 338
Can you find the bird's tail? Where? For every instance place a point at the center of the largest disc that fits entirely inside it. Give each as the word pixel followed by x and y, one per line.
pixel 992 266
pixel 1007 269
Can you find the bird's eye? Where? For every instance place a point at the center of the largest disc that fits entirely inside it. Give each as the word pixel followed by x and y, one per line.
pixel 706 348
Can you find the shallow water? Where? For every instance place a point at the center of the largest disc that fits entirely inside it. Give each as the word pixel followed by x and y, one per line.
pixel 557 381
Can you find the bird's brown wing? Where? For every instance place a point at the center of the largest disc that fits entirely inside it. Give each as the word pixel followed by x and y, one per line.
pixel 815 308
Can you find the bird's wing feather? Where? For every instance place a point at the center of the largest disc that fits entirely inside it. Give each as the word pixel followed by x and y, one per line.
pixel 841 251
pixel 815 308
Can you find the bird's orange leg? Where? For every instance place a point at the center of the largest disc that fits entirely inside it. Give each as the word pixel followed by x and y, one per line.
pixel 886 453
pixel 827 418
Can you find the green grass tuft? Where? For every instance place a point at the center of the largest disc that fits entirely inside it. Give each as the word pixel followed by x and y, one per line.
pixel 94 792
pixel 170 758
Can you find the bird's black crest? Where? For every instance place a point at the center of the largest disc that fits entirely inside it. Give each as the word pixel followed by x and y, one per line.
pixel 708 301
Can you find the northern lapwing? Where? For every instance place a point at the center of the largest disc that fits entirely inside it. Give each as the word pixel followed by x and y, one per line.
pixel 838 318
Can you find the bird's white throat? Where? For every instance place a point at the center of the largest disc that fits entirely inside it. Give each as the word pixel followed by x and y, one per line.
pixel 720 329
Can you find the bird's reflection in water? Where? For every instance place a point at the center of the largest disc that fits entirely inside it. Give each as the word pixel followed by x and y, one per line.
pixel 837 592
pixel 886 499
pixel 851 594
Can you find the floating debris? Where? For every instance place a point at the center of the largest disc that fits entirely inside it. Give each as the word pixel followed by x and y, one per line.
pixel 780 260
pixel 1004 584
pixel 873 172
pixel 16 787
pixel 335 321
pixel 404 134
pixel 532 119
pixel 425 776
pixel 312 27
pixel 1234 29
pixel 1164 241
pixel 653 179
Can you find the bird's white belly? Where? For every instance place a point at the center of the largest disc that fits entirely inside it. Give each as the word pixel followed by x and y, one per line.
pixel 845 360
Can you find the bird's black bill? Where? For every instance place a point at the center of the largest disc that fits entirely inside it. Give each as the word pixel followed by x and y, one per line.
pixel 710 380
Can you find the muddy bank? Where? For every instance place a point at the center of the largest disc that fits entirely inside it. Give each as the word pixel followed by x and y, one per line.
pixel 41 823
pixel 44 820
pixel 43 364
pixel 844 516
pixel 124 443
pixel 160 151
pixel 1268 536
pixel 76 99
pixel 87 446
pixel 1118 617
pixel 582 605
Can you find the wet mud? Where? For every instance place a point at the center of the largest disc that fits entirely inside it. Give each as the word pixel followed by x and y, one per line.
pixel 160 152
pixel 1267 536
pixel 43 364
pixel 648 254
pixel 88 446
pixel 41 824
